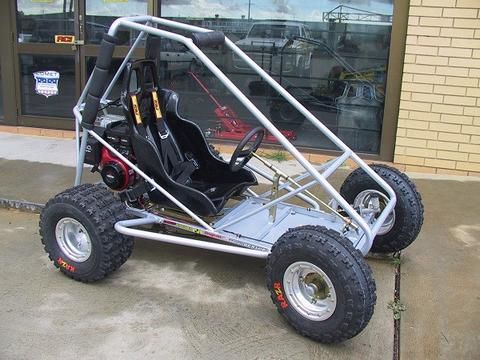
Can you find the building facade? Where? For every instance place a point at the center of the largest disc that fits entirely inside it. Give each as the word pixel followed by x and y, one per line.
pixel 439 117
pixel 396 80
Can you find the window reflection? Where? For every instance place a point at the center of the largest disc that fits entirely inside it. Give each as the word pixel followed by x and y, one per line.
pixel 100 14
pixel 333 58
pixel 40 21
pixel 273 31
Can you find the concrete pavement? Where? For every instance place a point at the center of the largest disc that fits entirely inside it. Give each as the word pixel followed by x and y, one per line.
pixel 166 302
pixel 174 302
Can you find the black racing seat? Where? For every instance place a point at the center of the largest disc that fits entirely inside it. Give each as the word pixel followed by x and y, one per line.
pixel 155 129
pixel 173 150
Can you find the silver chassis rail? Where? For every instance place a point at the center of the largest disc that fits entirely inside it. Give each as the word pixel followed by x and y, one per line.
pixel 146 218
pixel 365 232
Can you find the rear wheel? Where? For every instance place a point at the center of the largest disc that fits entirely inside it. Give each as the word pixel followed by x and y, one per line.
pixel 403 225
pixel 77 230
pixel 321 284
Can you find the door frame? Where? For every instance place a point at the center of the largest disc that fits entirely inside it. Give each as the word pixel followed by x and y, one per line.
pixel 44 49
pixel 393 89
pixel 7 63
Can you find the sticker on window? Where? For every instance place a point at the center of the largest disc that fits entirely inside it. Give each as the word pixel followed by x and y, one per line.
pixel 46 82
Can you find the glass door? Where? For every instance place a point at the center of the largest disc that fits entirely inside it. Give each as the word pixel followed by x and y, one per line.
pixel 57 42
pixel 99 15
pixel 47 52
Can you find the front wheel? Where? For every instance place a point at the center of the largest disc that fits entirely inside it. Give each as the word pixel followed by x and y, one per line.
pixel 321 284
pixel 403 225
pixel 77 230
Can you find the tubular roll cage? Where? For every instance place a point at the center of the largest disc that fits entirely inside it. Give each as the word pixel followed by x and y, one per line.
pixel 320 174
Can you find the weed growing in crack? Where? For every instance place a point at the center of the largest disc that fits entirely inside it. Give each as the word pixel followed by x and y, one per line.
pixel 397 308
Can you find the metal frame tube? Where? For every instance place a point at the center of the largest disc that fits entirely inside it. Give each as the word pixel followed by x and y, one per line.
pixel 133 23
pixel 124 227
pixel 122 65
pixel 336 164
pixel 284 185
pixel 251 192
pixel 303 176
pixel 80 157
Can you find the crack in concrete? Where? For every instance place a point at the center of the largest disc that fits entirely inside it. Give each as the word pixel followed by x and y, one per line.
pixel 396 322
pixel 22 205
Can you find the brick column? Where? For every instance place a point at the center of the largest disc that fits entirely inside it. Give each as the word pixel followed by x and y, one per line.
pixel 439 118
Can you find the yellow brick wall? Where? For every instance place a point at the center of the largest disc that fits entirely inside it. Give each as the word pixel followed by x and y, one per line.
pixel 439 117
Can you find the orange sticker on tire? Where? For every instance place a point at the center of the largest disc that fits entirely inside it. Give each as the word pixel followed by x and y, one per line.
pixel 63 264
pixel 277 287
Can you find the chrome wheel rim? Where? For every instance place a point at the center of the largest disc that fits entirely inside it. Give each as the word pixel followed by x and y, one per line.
pixel 369 201
pixel 310 291
pixel 73 239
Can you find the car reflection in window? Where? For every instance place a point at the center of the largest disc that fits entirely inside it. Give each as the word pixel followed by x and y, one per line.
pixel 175 58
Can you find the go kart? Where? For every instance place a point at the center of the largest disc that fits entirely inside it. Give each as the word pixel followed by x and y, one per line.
pixel 162 181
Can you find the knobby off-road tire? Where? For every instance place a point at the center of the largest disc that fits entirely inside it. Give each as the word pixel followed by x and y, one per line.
pixel 79 216
pixel 311 250
pixel 408 209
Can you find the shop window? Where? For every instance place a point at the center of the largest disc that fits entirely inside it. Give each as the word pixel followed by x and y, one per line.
pixel 40 21
pixel 333 58
pixel 100 14
pixel 47 85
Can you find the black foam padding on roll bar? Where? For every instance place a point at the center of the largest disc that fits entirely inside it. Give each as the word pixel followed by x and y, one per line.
pixel 99 80
pixel 90 111
pixel 100 77
pixel 208 39
pixel 105 54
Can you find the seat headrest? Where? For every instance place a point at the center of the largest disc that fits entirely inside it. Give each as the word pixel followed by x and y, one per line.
pixel 140 76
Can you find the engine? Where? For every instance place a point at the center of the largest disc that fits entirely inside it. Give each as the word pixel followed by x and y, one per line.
pixel 116 174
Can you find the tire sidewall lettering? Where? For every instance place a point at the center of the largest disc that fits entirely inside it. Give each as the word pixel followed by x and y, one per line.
pixel 281 299
pixel 60 259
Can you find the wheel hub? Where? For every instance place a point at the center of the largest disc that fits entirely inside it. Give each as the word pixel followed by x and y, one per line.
pixel 315 283
pixel 310 291
pixel 73 239
pixel 373 201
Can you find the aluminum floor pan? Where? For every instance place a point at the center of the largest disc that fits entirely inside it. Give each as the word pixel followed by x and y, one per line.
pixel 259 227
